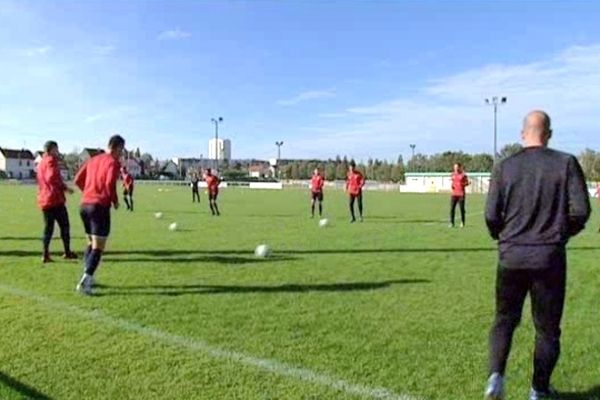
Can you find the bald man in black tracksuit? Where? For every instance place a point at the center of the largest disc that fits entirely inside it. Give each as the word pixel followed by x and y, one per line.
pixel 537 201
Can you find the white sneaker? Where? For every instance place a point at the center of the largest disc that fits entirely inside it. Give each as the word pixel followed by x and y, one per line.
pixel 84 286
pixel 536 395
pixel 462 225
pixel 495 387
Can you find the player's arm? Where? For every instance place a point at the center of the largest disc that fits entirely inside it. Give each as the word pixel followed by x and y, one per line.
pixel 494 217
pixel 80 177
pixel 579 201
pixel 111 184
pixel 466 181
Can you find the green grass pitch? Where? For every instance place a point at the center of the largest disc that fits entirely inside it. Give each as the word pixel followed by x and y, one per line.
pixel 396 307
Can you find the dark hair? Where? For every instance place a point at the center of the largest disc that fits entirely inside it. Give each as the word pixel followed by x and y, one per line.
pixel 459 164
pixel 352 164
pixel 116 141
pixel 208 170
pixel 49 145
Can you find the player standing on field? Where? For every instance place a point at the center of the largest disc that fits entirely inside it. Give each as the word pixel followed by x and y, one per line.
pixel 194 185
pixel 316 191
pixel 459 183
pixel 538 200
pixel 212 181
pixel 598 196
pixel 354 187
pixel 97 179
pixel 127 188
pixel 51 200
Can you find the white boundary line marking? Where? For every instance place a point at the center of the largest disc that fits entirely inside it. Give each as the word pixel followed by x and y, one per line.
pixel 272 366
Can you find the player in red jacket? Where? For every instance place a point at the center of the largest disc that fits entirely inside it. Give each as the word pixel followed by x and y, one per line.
pixel 212 182
pixel 51 200
pixel 460 181
pixel 128 184
pixel 97 179
pixel 316 192
pixel 354 187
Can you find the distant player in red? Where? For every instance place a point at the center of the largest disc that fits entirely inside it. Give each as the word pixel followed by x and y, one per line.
pixel 316 191
pixel 97 179
pixel 459 183
pixel 354 186
pixel 128 184
pixel 212 182
pixel 51 200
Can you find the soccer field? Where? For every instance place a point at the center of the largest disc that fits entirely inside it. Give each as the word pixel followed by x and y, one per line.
pixel 397 307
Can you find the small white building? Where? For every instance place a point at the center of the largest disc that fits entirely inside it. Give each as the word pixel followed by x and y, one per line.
pixel 169 168
pixel 17 164
pixel 133 167
pixel 441 182
pixel 220 148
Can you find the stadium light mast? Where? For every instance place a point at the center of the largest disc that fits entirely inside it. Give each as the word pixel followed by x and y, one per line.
pixel 412 147
pixel 278 144
pixel 495 102
pixel 217 121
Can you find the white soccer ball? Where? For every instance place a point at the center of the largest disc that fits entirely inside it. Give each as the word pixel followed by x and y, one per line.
pixel 323 222
pixel 158 215
pixel 173 227
pixel 262 251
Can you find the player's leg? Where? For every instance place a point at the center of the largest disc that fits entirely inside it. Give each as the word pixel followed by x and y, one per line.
pixel 131 198
pixel 453 203
pixel 511 290
pixel 126 198
pixel 352 199
pixel 49 218
pixel 62 217
pixel 99 224
pixel 321 204
pixel 547 303
pixel 215 205
pixel 360 206
pixel 461 203
pixel 313 200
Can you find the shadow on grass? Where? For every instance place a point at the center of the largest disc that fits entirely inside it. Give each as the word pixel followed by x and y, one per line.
pixel 178 290
pixel 291 252
pixel 592 394
pixel 195 257
pixel 26 391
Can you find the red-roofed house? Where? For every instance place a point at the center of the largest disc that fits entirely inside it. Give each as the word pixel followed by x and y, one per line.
pixel 17 164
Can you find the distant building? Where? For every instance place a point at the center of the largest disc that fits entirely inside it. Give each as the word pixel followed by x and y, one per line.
pixel 169 168
pixel 62 165
pixel 221 147
pixel 17 164
pixel 259 170
pixel 134 167
pixel 88 153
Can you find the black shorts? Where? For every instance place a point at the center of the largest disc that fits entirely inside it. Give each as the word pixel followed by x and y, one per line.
pixel 128 192
pixel 317 196
pixel 96 220
pixel 213 196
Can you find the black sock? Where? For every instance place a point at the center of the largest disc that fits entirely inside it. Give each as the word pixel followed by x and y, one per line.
pixel 312 209
pixel 86 253
pixel 217 209
pixel 92 262
pixel 320 209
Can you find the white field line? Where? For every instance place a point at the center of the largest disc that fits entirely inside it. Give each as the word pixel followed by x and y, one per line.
pixel 272 366
pixel 458 215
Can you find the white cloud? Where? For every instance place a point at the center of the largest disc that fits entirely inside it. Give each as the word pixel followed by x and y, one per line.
pixel 103 51
pixel 36 51
pixel 174 34
pixel 449 112
pixel 305 96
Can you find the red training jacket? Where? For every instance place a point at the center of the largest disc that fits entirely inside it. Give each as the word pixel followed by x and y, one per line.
pixel 212 182
pixel 355 183
pixel 51 188
pixel 127 181
pixel 97 179
pixel 459 182
pixel 316 183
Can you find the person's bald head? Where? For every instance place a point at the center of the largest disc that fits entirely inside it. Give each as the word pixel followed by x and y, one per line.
pixel 537 129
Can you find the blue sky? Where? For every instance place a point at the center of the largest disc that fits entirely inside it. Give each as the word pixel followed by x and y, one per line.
pixel 362 78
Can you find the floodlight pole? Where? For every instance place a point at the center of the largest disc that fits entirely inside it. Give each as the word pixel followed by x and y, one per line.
pixel 495 101
pixel 217 121
pixel 278 144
